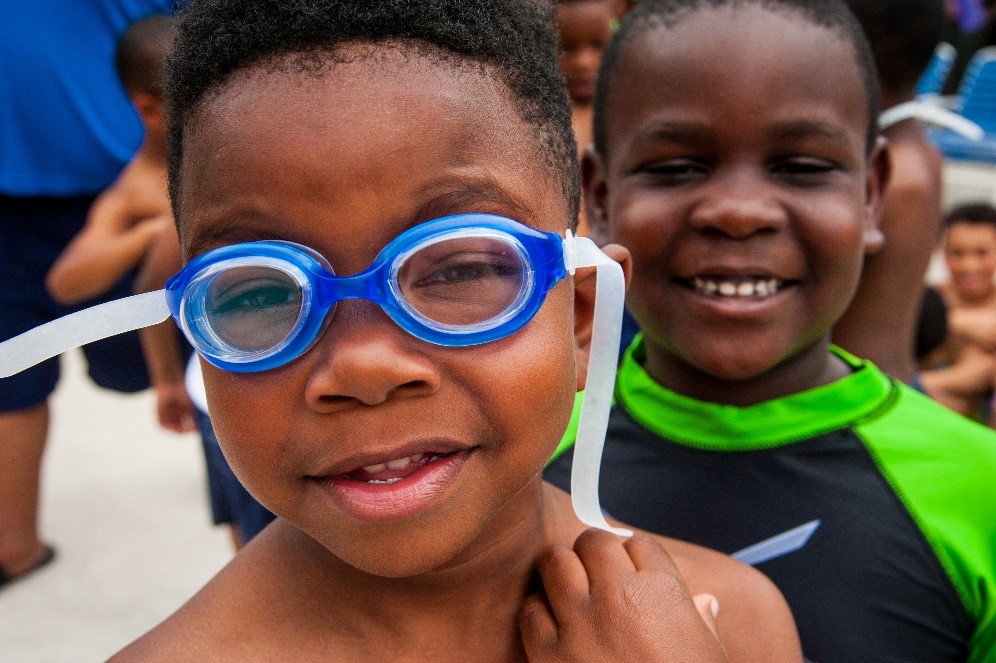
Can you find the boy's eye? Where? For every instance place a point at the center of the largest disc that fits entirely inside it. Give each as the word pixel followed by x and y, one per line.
pixel 674 171
pixel 255 313
pixel 465 287
pixel 467 269
pixel 257 297
pixel 804 170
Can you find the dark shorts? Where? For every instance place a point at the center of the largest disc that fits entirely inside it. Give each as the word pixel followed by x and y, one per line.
pixel 33 232
pixel 231 503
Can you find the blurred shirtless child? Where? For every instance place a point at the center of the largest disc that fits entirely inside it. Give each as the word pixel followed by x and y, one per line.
pixel 583 28
pixel 962 374
pixel 130 232
pixel 880 323
pixel 127 217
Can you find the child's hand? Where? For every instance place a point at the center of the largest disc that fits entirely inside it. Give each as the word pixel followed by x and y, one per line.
pixel 174 408
pixel 614 599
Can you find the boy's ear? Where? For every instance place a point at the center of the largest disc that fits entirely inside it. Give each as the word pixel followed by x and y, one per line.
pixel 150 109
pixel 594 192
pixel 877 178
pixel 584 305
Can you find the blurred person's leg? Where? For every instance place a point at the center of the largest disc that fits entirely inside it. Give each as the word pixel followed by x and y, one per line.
pixel 33 231
pixel 22 443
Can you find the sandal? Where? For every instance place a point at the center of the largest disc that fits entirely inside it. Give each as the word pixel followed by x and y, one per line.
pixel 46 558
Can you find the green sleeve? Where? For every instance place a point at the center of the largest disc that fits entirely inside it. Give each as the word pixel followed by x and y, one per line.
pixel 946 477
pixel 567 441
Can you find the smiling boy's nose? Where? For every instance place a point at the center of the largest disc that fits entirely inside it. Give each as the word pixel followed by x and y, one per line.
pixel 738 209
pixel 364 358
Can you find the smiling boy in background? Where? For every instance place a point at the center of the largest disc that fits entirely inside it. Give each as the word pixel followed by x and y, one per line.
pixel 736 156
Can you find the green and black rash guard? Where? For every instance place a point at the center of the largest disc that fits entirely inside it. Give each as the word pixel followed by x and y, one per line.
pixel 898 494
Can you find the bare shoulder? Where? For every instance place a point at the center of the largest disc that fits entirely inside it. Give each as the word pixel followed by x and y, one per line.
pixel 754 622
pixel 203 629
pixel 235 617
pixel 141 188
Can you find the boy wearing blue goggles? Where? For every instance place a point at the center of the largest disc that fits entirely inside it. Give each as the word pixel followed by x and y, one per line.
pixel 394 321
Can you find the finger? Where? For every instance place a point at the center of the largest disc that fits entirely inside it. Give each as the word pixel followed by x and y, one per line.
pixel 708 607
pixel 604 558
pixel 537 626
pixel 565 582
pixel 649 554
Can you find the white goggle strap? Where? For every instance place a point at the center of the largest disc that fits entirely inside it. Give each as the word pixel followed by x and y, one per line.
pixel 71 331
pixel 931 113
pixel 610 291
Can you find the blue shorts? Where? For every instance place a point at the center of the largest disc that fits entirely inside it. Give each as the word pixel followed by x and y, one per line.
pixel 231 503
pixel 33 232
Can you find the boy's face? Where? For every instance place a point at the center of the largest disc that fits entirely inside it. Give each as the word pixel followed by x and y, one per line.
pixel 737 176
pixel 584 29
pixel 970 256
pixel 343 161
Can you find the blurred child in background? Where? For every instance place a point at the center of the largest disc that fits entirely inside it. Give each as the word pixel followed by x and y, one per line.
pixel 961 376
pixel 583 28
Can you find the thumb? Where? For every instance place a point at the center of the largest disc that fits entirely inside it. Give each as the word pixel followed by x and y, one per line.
pixel 708 608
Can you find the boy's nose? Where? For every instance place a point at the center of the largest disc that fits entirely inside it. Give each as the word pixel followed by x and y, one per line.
pixel 738 210
pixel 364 358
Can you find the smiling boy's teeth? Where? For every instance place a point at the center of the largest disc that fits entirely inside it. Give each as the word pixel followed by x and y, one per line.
pixel 727 288
pixel 736 288
pixel 374 469
pixel 400 463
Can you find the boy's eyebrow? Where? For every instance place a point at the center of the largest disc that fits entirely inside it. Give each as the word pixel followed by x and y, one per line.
pixel 218 234
pixel 809 128
pixel 468 196
pixel 664 132
pixel 804 128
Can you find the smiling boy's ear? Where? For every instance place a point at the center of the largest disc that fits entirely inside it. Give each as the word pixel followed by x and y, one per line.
pixel 877 178
pixel 584 305
pixel 594 193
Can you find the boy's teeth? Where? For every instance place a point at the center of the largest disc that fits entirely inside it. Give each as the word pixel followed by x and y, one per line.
pixel 736 288
pixel 397 464
pixel 400 463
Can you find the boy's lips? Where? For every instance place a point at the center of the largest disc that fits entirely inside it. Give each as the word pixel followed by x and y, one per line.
pixel 737 294
pixel 393 485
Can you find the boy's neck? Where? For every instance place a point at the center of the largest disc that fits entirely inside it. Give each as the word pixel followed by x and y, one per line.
pixel 472 603
pixel 814 367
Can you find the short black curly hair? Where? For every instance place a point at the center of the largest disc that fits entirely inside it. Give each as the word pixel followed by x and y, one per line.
pixel 511 40
pixel 977 213
pixel 649 15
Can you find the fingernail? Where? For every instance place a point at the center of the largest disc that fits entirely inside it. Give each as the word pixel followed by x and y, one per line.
pixel 714 607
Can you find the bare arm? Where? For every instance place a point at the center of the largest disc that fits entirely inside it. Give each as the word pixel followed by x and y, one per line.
pixel 107 248
pixel 161 343
pixel 973 327
pixel 880 323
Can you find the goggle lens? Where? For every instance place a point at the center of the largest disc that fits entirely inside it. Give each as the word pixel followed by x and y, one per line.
pixel 464 283
pixel 253 308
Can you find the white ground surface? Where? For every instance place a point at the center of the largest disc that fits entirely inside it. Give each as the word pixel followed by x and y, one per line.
pixel 125 504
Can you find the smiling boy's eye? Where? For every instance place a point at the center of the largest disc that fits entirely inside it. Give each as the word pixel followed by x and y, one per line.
pixel 673 171
pixel 802 170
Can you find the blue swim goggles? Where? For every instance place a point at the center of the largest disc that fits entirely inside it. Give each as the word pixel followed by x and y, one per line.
pixel 455 281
